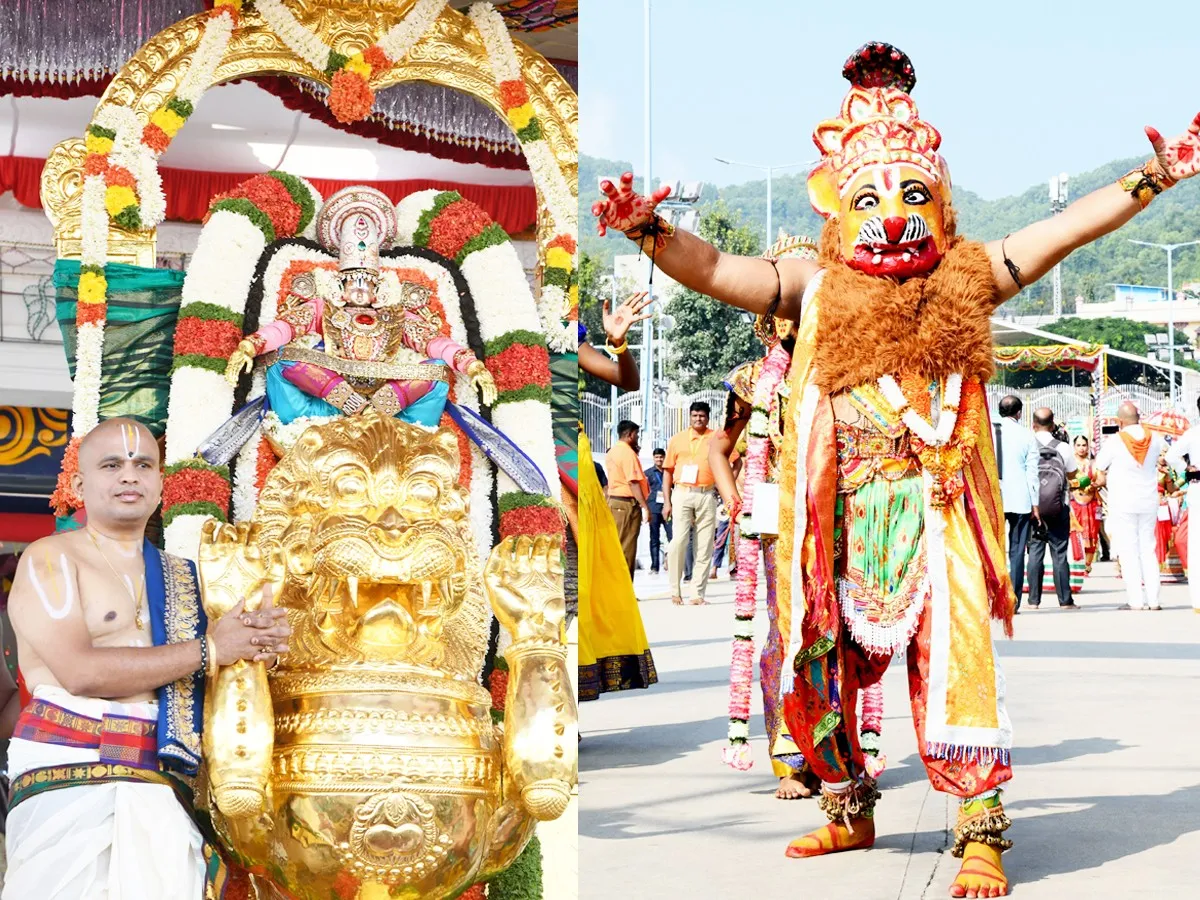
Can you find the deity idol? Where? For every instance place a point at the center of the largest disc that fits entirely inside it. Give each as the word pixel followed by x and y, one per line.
pixel 891 526
pixel 362 336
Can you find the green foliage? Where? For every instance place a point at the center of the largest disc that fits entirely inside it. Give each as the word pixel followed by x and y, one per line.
pixel 523 879
pixel 710 337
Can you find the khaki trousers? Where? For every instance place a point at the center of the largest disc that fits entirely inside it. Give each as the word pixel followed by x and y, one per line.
pixel 628 516
pixel 692 508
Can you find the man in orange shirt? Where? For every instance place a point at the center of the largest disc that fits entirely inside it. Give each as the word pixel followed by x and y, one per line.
pixel 688 486
pixel 627 489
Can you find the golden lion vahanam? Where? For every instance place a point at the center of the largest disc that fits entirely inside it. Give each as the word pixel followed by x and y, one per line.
pixel 366 764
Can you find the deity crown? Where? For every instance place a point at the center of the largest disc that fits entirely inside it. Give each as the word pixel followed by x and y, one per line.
pixel 879 122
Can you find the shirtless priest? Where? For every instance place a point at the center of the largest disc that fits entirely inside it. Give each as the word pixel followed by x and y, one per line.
pixel 114 647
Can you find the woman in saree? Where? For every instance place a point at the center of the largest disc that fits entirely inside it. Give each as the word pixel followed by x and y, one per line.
pixel 614 654
pixel 1085 504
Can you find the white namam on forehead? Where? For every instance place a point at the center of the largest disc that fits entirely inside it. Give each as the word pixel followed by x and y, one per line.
pixel 131 439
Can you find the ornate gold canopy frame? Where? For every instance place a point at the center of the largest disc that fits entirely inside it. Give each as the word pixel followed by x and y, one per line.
pixel 451 54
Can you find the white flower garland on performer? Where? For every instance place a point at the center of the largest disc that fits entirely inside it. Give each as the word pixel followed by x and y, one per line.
pixel 931 436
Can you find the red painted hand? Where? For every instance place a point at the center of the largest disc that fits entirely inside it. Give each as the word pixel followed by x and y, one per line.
pixel 1179 156
pixel 623 208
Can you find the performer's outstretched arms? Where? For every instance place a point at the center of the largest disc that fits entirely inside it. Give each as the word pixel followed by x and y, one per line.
pixel 1026 255
pixel 749 283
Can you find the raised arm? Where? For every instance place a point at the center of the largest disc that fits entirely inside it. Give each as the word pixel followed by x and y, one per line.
pixel 623 371
pixel 750 283
pixel 1036 249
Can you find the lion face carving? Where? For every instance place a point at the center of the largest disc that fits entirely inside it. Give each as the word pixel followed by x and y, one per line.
pixel 375 529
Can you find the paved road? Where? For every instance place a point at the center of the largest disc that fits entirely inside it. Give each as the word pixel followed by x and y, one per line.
pixel 1105 799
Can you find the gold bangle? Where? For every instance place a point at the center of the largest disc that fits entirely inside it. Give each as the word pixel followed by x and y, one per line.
pixel 211 645
pixel 618 350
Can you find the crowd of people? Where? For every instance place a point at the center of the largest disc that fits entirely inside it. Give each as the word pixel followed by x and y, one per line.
pixel 1127 500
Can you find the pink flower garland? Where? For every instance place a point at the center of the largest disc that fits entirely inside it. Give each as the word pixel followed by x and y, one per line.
pixel 741 668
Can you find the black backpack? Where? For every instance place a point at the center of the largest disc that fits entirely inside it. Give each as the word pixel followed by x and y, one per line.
pixel 1052 481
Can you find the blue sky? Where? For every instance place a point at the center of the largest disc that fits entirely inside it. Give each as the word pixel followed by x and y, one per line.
pixel 1019 89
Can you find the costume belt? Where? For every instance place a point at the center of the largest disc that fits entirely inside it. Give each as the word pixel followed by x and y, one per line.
pixel 120 740
pixel 361 368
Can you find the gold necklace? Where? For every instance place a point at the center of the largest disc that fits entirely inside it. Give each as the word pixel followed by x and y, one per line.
pixel 137 600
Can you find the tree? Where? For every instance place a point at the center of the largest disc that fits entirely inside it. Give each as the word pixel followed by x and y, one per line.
pixel 710 338
pixel 593 291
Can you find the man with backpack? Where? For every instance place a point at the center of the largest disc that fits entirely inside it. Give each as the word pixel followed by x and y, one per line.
pixel 1056 465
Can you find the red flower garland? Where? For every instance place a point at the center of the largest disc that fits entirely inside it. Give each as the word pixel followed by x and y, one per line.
pixel 350 97
pixel 531 520
pixel 156 139
pixel 264 462
pixel 519 365
pixel 206 337
pixel 192 485
pixel 513 93
pixel 271 196
pixel 87 313
pixel 374 57
pixel 64 499
pixel 454 226
pixel 565 241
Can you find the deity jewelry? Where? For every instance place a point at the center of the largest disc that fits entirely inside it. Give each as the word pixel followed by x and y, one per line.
pixel 137 599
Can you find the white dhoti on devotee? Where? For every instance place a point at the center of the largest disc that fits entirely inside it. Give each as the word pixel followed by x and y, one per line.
pixel 104 841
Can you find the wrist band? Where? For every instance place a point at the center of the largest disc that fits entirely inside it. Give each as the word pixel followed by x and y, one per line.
pixel 617 350
pixel 203 655
pixel 658 228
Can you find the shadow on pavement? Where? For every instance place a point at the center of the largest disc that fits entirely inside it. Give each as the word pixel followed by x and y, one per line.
pixel 647 745
pixel 1107 829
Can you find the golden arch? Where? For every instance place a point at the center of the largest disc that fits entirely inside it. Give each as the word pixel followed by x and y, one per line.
pixel 451 54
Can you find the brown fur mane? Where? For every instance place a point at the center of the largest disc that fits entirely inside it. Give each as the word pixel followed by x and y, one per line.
pixel 931 326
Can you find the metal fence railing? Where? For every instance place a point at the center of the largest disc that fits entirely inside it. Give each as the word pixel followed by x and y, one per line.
pixel 1068 403
pixel 600 417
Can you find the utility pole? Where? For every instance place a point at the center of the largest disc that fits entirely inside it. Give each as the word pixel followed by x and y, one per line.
pixel 1058 202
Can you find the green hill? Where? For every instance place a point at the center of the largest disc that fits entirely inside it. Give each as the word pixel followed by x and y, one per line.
pixel 1173 217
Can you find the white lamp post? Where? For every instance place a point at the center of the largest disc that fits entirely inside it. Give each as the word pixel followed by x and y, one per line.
pixel 769 170
pixel 1170 248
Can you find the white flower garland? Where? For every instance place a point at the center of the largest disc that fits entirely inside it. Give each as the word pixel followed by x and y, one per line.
pixel 89 338
pixel 556 193
pixel 209 53
pixel 553 306
pixel 932 437
pixel 298 39
pixel 396 43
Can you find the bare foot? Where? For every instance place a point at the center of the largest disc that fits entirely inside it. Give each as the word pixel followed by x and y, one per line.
pixel 834 838
pixel 678 601
pixel 793 787
pixel 699 601
pixel 982 873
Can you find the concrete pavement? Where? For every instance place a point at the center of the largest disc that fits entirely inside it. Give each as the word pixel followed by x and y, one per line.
pixel 1105 798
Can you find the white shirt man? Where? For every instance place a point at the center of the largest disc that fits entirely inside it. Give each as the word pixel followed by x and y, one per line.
pixel 1129 461
pixel 1184 456
pixel 1017 455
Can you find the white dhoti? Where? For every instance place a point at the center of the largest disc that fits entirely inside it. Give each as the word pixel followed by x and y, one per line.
pixel 108 841
pixel 1132 536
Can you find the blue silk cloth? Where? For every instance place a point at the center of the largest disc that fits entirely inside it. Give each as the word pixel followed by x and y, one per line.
pixel 290 402
pixel 176 615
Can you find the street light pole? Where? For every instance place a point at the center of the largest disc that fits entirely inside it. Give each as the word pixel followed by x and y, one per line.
pixel 1170 248
pixel 770 170
pixel 647 359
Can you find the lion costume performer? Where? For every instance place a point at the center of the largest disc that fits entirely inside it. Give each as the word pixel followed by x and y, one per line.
pixel 890 519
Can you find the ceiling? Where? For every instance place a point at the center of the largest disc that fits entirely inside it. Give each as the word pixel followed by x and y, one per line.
pixel 242 128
